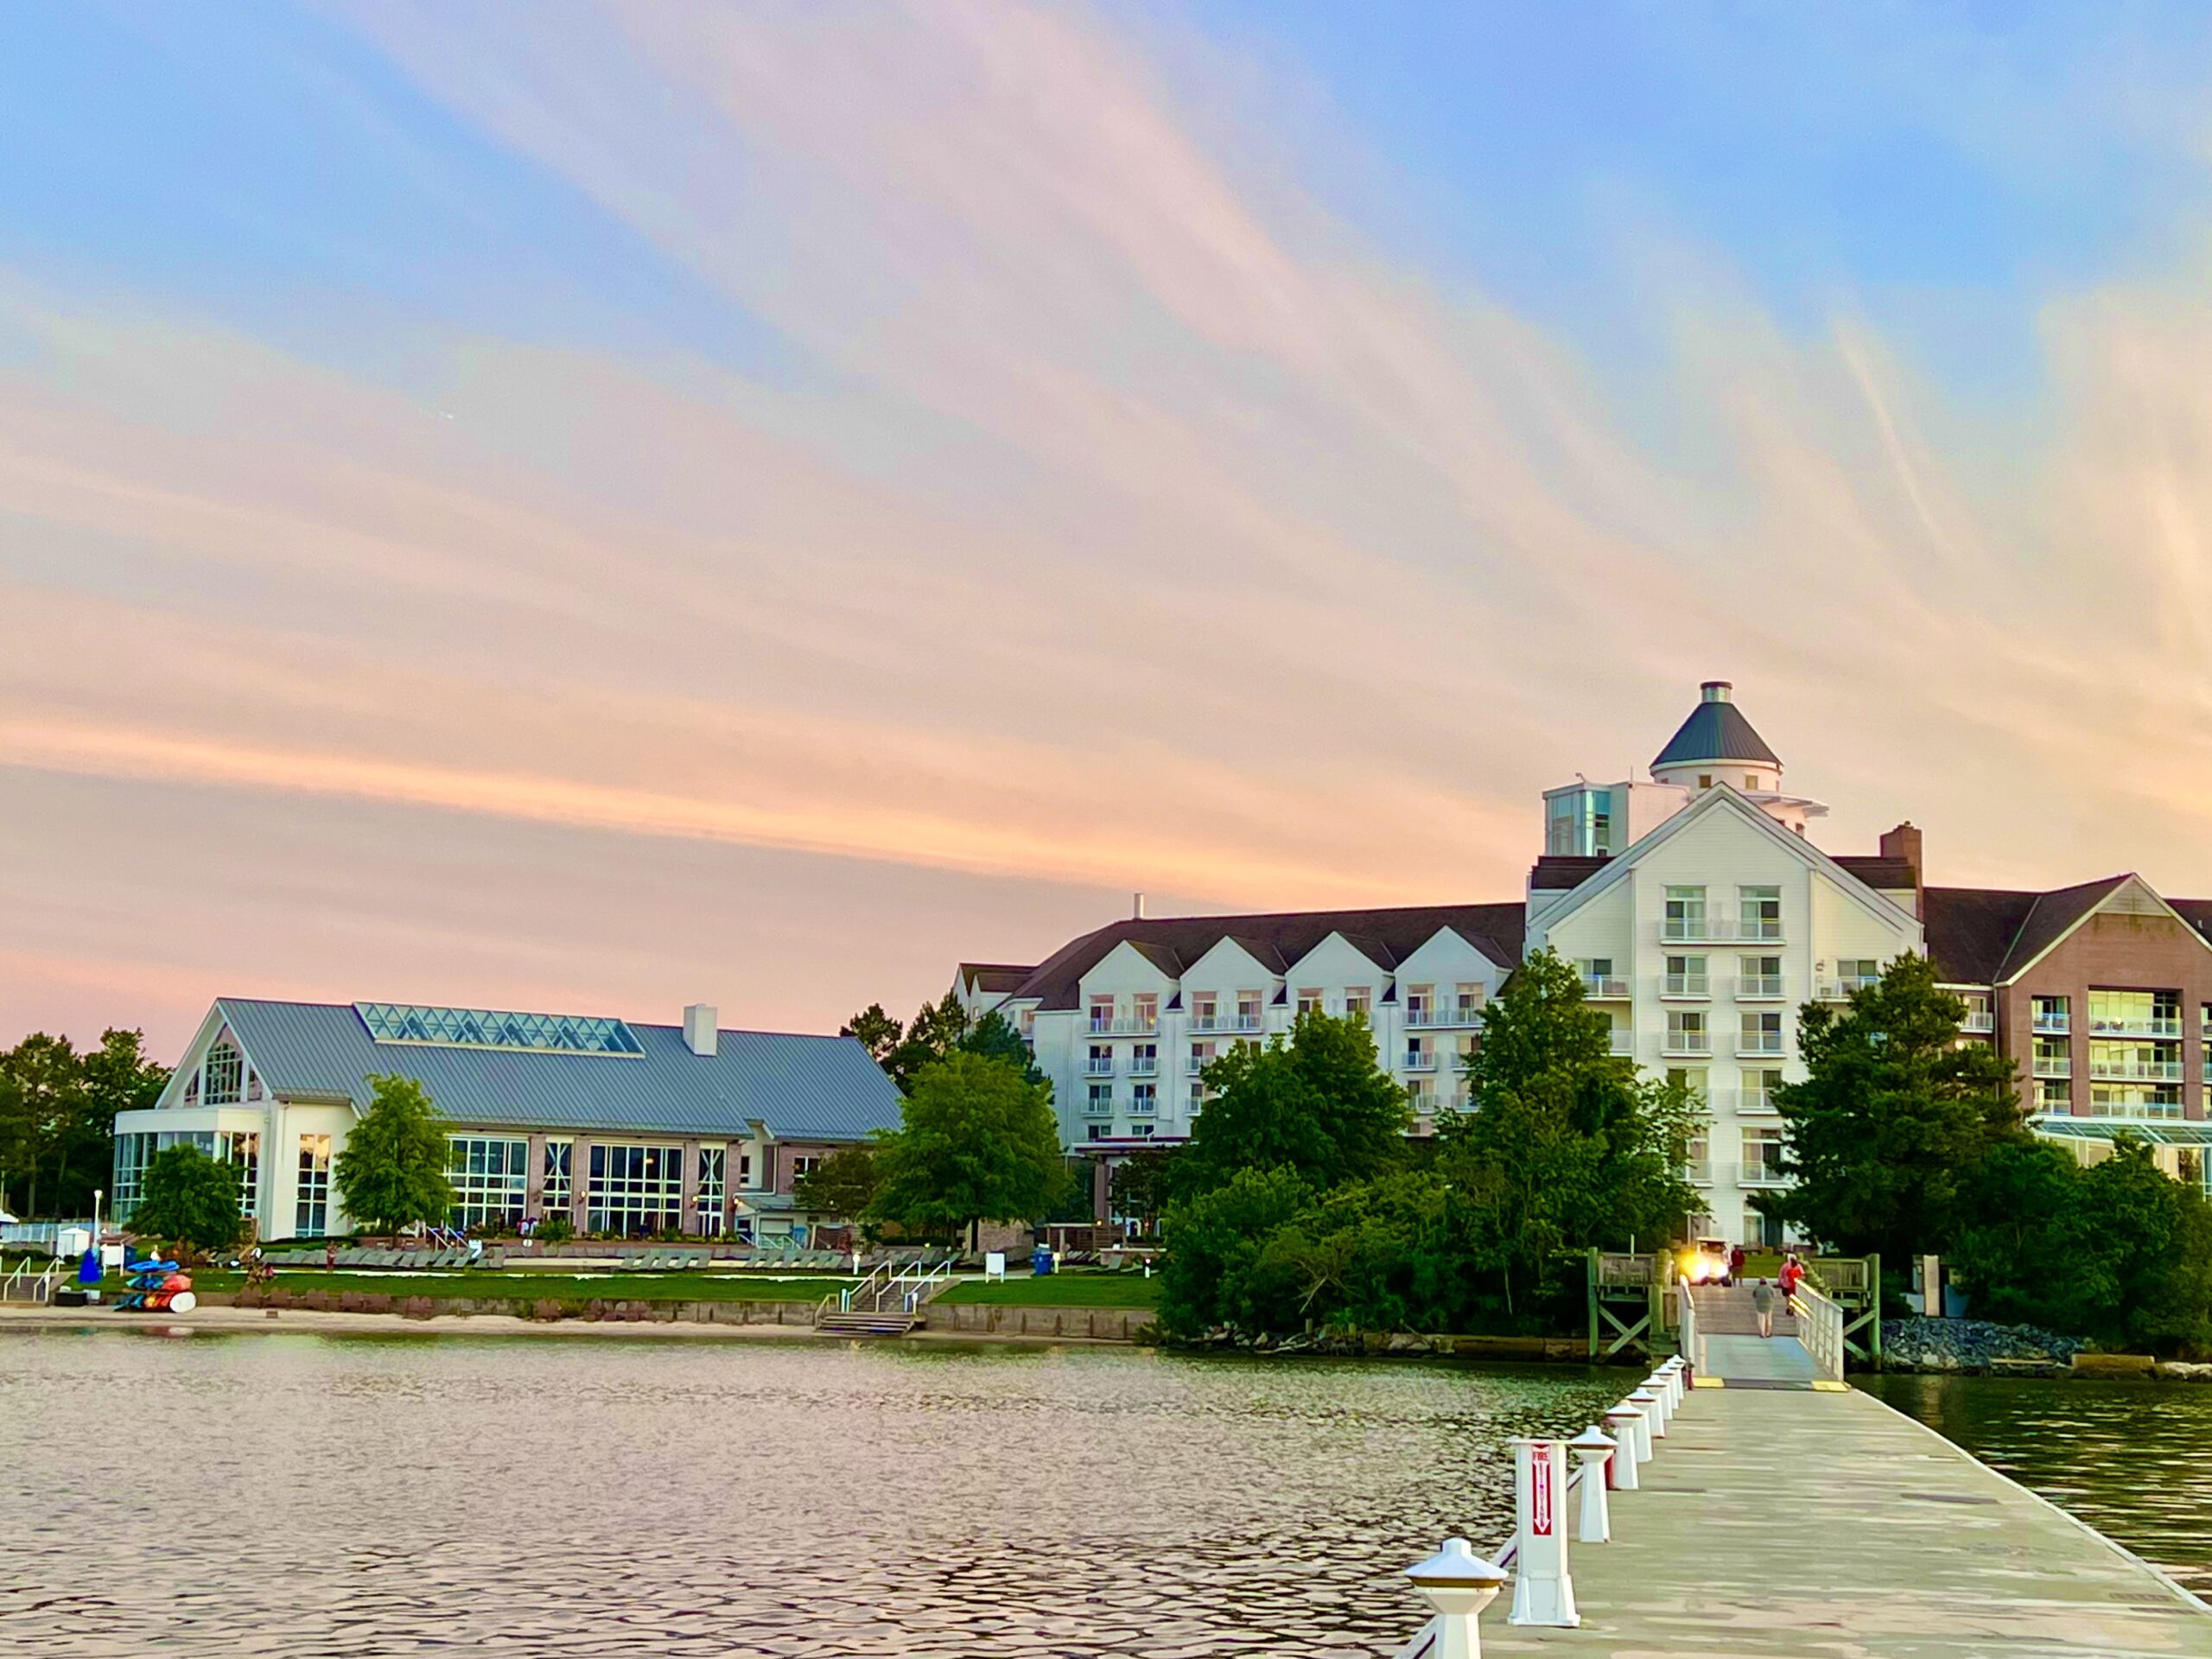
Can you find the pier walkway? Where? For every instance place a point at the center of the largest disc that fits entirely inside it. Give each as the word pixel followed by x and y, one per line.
pixel 1817 1523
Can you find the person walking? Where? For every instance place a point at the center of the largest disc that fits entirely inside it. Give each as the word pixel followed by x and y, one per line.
pixel 1762 1305
pixel 1793 1271
pixel 1735 1266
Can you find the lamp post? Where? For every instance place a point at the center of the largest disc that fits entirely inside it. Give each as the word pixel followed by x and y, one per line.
pixel 1459 1584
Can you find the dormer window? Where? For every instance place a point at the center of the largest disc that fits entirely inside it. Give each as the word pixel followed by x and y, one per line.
pixel 226 1076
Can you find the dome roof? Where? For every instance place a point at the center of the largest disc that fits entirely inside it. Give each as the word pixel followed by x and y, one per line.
pixel 1716 730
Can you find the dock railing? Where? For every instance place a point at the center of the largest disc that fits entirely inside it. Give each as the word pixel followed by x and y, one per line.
pixel 1819 1327
pixel 29 1283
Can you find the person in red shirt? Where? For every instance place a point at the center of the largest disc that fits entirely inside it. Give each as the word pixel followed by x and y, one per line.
pixel 1792 1273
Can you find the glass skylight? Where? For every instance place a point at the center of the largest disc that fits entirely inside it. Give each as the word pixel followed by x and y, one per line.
pixel 538 1033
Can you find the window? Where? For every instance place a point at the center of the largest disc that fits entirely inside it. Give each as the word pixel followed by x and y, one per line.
pixel 1144 1059
pixel 807 1163
pixel 241 1150
pixel 2054 1095
pixel 1248 1010
pixel 1141 1131
pixel 1309 1001
pixel 554 1197
pixel 132 1152
pixel 745 1169
pixel 1760 909
pixel 1751 780
pixel 1705 780
pixel 1761 1032
pixel 1101 1063
pixel 1144 1099
pixel 1697 1164
pixel 1857 973
pixel 225 1074
pixel 1759 1090
pixel 1685 977
pixel 1099 1102
pixel 1148 1011
pixel 1978 1017
pixel 707 1206
pixel 555 1034
pixel 311 1218
pixel 1420 1055
pixel 2135 1100
pixel 2135 1014
pixel 1685 914
pixel 1762 1154
pixel 1420 1000
pixel 1096 1132
pixel 1686 1031
pixel 2054 1058
pixel 634 1190
pixel 1598 976
pixel 2050 1015
pixel 1203 1011
pixel 1578 822
pixel 1759 976
pixel 490 1179
pixel 1469 1002
pixel 1358 999
pixel 1102 1013
pixel 1201 1057
pixel 1690 1078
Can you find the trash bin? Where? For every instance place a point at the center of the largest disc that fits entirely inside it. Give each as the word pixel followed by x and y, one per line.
pixel 1040 1262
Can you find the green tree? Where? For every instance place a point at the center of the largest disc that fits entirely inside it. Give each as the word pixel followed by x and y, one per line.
pixel 392 1172
pixel 44 1095
pixel 877 1031
pixel 1318 1105
pixel 995 1037
pixel 977 1141
pixel 188 1199
pixel 1141 1184
pixel 843 1184
pixel 1893 1111
pixel 1566 1147
pixel 117 1076
pixel 1213 1240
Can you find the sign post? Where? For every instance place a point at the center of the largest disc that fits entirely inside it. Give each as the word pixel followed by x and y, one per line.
pixel 1542 1592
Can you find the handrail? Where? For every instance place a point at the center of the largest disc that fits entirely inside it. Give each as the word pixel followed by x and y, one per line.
pixel 1819 1327
pixel 39 1284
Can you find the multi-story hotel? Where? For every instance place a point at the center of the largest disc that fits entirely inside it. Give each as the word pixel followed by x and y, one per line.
pixel 1702 915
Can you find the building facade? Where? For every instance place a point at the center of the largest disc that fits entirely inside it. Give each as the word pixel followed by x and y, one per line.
pixel 621 1127
pixel 1702 917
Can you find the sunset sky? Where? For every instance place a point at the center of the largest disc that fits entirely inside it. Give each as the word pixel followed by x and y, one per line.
pixel 589 508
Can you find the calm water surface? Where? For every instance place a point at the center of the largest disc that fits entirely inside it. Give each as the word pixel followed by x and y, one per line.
pixel 2134 1460
pixel 309 1495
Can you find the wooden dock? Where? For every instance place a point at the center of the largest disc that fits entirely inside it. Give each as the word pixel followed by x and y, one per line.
pixel 1814 1522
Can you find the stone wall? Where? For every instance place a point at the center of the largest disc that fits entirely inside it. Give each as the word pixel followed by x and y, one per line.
pixel 989 1318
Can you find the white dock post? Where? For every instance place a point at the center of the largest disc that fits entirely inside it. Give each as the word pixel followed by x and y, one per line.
pixel 1459 1584
pixel 1662 1405
pixel 1640 1401
pixel 1620 1469
pixel 1673 1371
pixel 1542 1591
pixel 1593 1448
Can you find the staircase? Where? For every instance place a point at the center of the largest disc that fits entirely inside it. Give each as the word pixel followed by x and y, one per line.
pixel 833 1323
pixel 1728 1313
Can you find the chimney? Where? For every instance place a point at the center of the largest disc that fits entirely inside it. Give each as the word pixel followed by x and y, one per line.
pixel 1136 914
pixel 701 1022
pixel 1904 843
pixel 1715 691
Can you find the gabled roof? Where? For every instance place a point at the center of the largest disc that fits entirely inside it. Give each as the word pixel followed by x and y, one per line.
pixel 1980 936
pixel 1716 730
pixel 800 1088
pixel 1720 798
pixel 1278 939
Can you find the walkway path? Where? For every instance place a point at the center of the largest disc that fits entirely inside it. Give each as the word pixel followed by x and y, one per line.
pixel 1733 1349
pixel 1802 1525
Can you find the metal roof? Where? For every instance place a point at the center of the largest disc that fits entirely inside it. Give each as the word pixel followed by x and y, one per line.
pixel 801 1088
pixel 1716 730
pixel 2165 1132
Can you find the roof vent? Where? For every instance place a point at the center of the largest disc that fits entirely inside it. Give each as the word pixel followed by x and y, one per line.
pixel 1715 691
pixel 702 1026
pixel 1136 912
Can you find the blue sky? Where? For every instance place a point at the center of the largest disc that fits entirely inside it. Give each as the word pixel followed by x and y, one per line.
pixel 886 482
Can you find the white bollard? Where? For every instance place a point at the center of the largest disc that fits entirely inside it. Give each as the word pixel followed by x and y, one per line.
pixel 1593 1449
pixel 1459 1584
pixel 1620 1469
pixel 1662 1405
pixel 1678 1378
pixel 1542 1591
pixel 1642 1401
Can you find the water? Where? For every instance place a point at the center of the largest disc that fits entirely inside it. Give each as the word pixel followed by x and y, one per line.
pixel 307 1496
pixel 2134 1460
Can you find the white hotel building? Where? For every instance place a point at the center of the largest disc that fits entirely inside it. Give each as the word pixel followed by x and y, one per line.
pixel 1698 910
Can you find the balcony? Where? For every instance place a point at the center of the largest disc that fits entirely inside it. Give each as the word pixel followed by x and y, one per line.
pixel 2052 1024
pixel 1698 1172
pixel 2058 1065
pixel 2132 1070
pixel 1098 1108
pixel 2167 1030
pixel 1755 1103
pixel 1143 1108
pixel 1422 1101
pixel 1196 1067
pixel 1759 1173
pixel 1684 1043
pixel 1599 987
pixel 1766 1045
pixel 1127 1025
pixel 1697 985
pixel 1099 1066
pixel 1979 1020
pixel 1144 1065
pixel 1692 930
pixel 1622 1042
pixel 1421 1060
pixel 1842 990
pixel 1432 1018
pixel 1759 987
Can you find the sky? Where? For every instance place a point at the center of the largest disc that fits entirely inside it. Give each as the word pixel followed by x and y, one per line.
pixel 591 507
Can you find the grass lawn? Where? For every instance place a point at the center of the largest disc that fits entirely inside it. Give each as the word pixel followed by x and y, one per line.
pixel 1061 1290
pixel 558 1287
